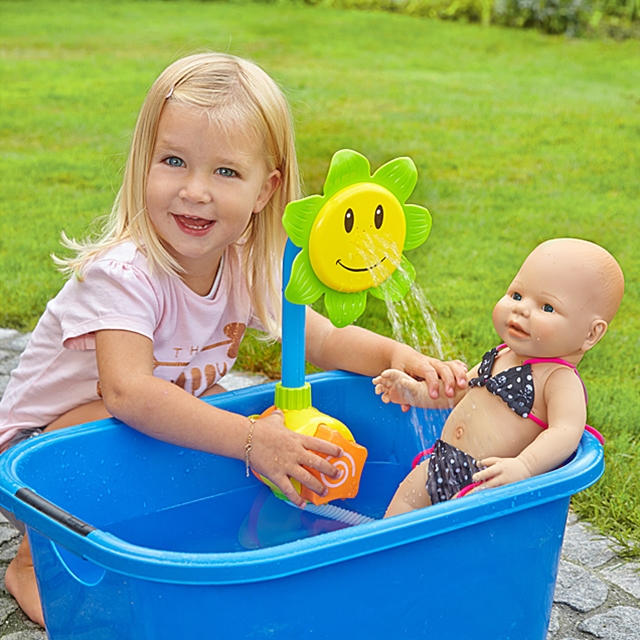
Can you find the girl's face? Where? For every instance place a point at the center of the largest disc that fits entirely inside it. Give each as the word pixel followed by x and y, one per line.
pixel 204 184
pixel 546 311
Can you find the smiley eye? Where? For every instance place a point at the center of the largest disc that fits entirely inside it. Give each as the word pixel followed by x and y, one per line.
pixel 379 216
pixel 348 220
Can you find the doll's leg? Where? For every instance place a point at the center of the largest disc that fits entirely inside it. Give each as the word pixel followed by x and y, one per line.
pixel 20 578
pixel 412 492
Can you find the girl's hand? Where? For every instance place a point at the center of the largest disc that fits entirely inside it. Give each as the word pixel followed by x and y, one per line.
pixel 501 471
pixel 280 455
pixel 451 374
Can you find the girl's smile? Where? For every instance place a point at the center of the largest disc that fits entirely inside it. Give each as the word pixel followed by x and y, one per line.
pixel 193 225
pixel 205 183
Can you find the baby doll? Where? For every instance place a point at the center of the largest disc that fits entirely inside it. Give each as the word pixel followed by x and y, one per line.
pixel 524 409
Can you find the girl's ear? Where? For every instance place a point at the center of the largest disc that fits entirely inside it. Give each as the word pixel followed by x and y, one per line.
pixel 598 329
pixel 271 183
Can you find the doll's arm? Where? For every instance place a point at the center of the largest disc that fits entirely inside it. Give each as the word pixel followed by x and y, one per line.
pixel 368 353
pixel 400 388
pixel 165 411
pixel 566 416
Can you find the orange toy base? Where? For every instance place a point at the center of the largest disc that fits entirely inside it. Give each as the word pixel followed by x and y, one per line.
pixel 351 463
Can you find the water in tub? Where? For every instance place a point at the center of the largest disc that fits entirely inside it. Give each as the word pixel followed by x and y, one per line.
pixel 253 516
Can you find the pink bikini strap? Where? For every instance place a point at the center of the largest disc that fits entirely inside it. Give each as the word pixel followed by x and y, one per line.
pixel 467 489
pixel 592 430
pixel 566 364
pixel 552 361
pixel 423 454
pixel 595 433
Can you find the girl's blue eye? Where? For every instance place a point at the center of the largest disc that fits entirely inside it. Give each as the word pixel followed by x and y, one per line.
pixel 516 296
pixel 227 173
pixel 174 161
pixel 547 308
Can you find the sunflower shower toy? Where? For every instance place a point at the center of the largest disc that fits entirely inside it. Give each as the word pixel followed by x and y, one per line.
pixel 343 244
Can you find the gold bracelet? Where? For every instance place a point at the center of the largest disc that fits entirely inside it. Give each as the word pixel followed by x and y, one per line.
pixel 249 445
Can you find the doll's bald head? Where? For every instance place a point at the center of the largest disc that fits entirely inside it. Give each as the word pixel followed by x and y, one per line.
pixel 594 272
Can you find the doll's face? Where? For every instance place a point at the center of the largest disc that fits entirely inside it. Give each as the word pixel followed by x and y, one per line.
pixel 548 309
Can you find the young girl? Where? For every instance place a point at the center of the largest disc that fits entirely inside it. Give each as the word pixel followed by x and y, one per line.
pixel 524 409
pixel 157 307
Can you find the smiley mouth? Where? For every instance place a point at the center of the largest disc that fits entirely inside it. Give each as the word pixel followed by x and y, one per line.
pixel 354 270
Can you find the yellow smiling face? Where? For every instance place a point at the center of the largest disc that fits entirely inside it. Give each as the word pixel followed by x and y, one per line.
pixel 352 237
pixel 357 238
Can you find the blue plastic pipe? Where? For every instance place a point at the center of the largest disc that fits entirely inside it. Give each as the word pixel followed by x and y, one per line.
pixel 293 328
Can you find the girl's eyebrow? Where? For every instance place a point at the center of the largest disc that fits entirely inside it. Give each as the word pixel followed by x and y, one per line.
pixel 164 145
pixel 173 145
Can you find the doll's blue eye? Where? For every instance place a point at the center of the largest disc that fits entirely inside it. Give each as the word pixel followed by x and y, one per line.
pixel 547 308
pixel 516 296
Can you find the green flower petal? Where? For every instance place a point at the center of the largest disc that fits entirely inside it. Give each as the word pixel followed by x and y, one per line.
pixel 299 217
pixel 418 225
pixel 347 168
pixel 398 176
pixel 344 308
pixel 397 286
pixel 304 286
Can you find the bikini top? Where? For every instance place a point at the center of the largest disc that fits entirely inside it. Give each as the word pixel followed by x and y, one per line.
pixel 515 385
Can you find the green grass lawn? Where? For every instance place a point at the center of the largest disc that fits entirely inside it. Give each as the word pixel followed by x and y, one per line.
pixel 517 136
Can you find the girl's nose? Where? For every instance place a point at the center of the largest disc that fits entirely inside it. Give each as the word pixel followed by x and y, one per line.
pixel 196 190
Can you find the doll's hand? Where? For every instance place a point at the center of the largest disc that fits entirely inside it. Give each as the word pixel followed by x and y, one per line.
pixel 280 454
pixel 398 387
pixel 501 471
pixel 452 374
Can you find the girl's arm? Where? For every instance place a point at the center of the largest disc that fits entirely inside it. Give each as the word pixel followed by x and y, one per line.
pixel 163 410
pixel 361 351
pixel 566 416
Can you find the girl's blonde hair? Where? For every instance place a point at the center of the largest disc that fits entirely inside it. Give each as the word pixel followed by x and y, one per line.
pixel 237 94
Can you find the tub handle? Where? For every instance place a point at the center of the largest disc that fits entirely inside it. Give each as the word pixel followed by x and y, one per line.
pixel 55 513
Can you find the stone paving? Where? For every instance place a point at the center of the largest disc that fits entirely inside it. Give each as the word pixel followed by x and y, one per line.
pixel 597 593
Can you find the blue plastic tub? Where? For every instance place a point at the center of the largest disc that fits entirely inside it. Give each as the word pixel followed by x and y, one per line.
pixel 140 540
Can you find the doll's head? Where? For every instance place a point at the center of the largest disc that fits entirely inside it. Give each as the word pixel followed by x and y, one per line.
pixel 561 301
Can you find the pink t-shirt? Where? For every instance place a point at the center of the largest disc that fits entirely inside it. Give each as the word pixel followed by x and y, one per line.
pixel 195 340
